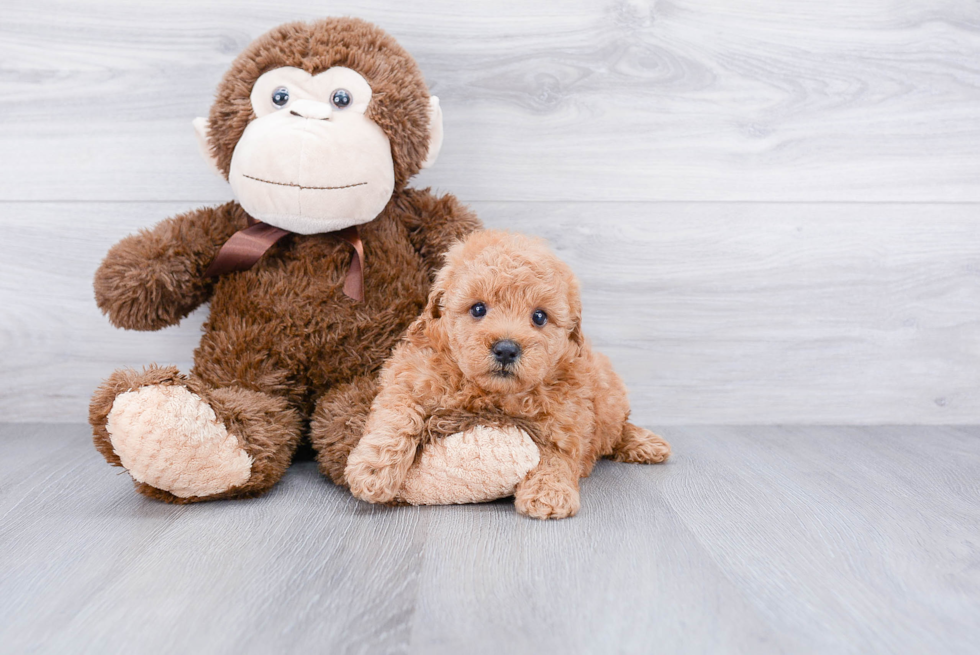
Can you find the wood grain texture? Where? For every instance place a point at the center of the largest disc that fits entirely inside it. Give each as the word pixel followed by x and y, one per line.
pixel 559 100
pixel 750 540
pixel 559 116
pixel 742 313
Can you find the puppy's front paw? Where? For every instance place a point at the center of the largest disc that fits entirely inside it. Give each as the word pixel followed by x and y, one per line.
pixel 370 479
pixel 546 499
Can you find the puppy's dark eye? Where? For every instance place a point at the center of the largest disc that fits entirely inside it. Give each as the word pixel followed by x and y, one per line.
pixel 280 97
pixel 479 310
pixel 539 318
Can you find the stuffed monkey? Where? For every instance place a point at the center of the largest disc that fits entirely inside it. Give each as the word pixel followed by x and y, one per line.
pixel 312 275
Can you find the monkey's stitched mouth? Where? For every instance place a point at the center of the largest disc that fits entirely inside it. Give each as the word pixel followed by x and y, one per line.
pixel 299 186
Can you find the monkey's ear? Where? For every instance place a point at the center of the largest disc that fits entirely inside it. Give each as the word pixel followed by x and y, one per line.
pixel 201 129
pixel 435 132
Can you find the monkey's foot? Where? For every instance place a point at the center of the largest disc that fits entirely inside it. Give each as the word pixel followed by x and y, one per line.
pixel 169 438
pixel 475 466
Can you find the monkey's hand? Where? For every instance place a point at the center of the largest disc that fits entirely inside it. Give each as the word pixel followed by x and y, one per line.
pixel 155 278
pixel 476 465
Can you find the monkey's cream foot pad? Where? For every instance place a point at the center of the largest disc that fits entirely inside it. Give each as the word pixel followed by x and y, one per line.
pixel 475 466
pixel 169 438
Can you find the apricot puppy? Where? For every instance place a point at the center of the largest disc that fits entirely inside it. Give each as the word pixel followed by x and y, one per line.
pixel 501 336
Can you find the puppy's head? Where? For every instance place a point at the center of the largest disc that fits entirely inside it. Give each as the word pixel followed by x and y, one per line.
pixel 506 309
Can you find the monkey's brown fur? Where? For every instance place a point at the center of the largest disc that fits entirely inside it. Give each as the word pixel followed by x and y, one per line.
pixel 567 395
pixel 282 338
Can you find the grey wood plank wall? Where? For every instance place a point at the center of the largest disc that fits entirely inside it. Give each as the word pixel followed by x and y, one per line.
pixel 772 204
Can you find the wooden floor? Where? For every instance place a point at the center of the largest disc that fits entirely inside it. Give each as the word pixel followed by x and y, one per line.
pixel 750 540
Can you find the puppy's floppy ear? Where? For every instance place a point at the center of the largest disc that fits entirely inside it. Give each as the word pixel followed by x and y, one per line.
pixel 575 313
pixel 575 335
pixel 433 308
pixel 430 316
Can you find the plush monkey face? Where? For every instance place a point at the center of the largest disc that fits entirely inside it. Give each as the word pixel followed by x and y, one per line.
pixel 311 161
pixel 321 146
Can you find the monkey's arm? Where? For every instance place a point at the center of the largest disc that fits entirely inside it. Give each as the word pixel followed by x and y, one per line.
pixel 435 222
pixel 155 278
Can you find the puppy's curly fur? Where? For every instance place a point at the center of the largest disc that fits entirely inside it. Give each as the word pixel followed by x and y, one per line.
pixel 564 393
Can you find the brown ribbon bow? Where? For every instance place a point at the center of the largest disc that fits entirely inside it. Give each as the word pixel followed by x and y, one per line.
pixel 245 247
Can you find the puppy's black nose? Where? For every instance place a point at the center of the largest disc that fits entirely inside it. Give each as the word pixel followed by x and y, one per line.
pixel 506 351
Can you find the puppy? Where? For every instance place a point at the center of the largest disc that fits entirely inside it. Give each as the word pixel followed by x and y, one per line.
pixel 501 336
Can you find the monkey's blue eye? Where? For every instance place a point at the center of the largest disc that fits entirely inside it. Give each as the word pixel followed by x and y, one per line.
pixel 280 97
pixel 340 98
pixel 539 318
pixel 479 310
